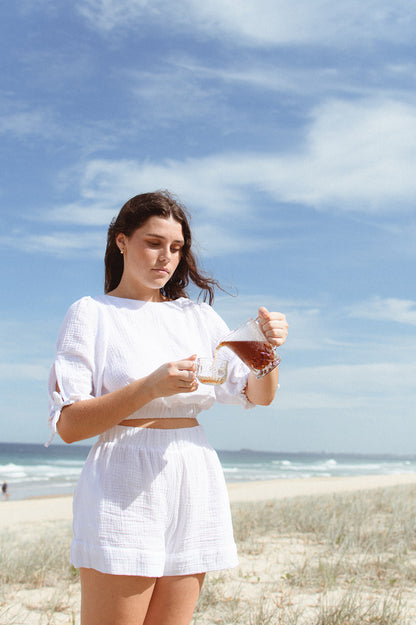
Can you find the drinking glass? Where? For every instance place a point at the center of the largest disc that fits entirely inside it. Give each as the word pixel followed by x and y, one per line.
pixel 211 371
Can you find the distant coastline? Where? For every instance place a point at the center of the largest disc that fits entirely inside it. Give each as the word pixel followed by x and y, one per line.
pixel 31 470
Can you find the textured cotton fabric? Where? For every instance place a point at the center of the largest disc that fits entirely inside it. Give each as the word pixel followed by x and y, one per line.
pixel 107 342
pixel 152 502
pixel 149 502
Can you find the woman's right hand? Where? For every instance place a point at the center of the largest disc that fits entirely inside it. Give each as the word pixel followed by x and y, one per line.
pixel 174 377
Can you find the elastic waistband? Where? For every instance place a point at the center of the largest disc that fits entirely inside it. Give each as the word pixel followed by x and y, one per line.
pixel 152 437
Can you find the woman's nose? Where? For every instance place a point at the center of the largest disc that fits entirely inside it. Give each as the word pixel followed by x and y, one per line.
pixel 164 254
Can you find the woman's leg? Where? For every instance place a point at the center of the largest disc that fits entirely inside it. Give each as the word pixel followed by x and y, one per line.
pixel 114 599
pixel 174 599
pixel 130 600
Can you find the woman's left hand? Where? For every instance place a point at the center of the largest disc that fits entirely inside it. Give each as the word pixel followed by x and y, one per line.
pixel 274 326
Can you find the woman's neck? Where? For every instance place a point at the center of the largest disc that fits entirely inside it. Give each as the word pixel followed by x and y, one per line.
pixel 129 293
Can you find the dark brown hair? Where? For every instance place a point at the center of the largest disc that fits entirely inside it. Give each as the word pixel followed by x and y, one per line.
pixel 133 215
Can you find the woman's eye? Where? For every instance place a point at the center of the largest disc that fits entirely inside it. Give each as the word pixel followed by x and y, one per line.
pixel 156 244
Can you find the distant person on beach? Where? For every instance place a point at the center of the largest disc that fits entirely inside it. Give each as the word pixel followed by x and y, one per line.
pixel 5 490
pixel 151 509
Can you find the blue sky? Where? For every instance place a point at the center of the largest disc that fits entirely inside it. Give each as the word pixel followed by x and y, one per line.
pixel 289 130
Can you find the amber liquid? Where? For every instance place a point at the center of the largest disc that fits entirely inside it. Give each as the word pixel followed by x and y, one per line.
pixel 256 354
pixel 207 380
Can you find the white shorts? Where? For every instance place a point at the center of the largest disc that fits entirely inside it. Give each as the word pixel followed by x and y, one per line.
pixel 152 502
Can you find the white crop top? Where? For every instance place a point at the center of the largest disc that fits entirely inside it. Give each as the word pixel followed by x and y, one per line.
pixel 106 342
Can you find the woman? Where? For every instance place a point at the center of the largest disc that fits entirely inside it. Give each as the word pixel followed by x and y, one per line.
pixel 151 512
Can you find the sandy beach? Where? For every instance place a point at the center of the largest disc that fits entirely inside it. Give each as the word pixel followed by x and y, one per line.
pixel 281 566
pixel 42 509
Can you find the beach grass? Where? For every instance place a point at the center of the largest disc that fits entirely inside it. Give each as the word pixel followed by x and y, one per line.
pixel 341 559
pixel 38 584
pixel 36 558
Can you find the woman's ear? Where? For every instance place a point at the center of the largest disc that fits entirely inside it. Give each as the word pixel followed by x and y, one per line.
pixel 121 241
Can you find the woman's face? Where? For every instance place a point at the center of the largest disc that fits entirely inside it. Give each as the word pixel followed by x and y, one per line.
pixel 151 255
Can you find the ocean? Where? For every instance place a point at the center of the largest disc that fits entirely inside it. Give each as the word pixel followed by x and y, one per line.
pixel 34 471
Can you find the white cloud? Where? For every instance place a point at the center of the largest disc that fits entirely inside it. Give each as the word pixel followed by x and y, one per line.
pixel 261 22
pixel 109 14
pixel 386 309
pixel 62 243
pixel 350 387
pixel 189 96
pixel 85 212
pixel 326 75
pixel 44 123
pixel 211 182
pixel 363 152
pixel 273 77
pixel 357 156
pixel 362 379
pixel 26 123
pixel 270 22
pixel 24 371
pixel 215 240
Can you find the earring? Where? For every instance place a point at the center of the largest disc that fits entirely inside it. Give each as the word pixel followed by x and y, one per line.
pixel 121 252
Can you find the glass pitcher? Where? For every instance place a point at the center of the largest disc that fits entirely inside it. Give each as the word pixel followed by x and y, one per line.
pixel 250 344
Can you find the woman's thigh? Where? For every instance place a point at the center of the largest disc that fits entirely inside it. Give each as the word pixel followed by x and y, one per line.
pixel 174 599
pixel 114 599
pixel 132 600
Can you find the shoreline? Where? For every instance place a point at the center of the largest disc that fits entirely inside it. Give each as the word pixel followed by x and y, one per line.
pixel 51 508
pixel 303 487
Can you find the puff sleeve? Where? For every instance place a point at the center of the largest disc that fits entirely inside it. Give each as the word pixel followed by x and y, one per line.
pixel 73 373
